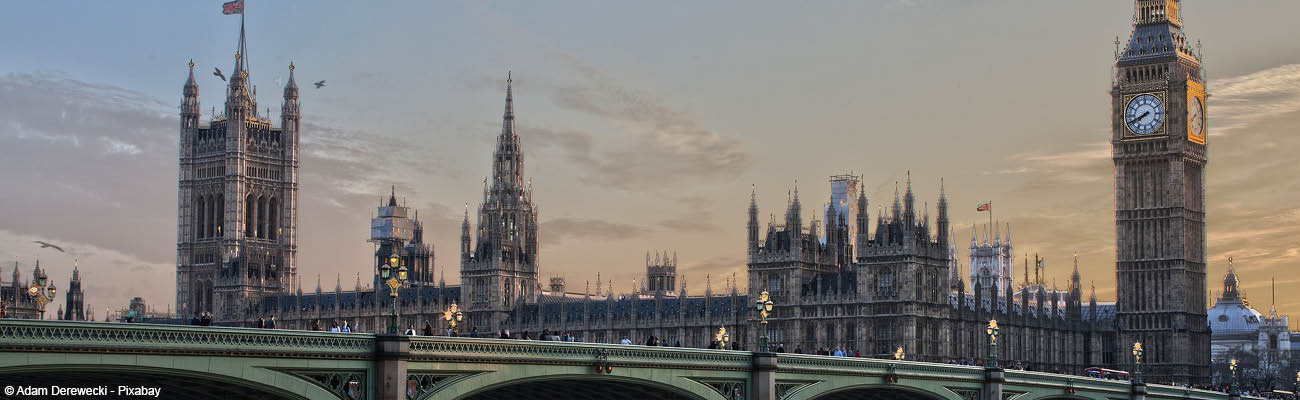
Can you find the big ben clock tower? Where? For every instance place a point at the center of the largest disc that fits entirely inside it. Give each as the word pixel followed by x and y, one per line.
pixel 1159 148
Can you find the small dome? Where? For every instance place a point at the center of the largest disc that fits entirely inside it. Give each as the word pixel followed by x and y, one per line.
pixel 1229 316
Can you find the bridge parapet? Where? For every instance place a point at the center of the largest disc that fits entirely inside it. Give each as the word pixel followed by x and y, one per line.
pixel 1176 392
pixel 66 336
pixel 798 363
pixel 449 349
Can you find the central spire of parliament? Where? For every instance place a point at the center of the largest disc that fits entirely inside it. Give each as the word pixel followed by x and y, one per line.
pixel 499 270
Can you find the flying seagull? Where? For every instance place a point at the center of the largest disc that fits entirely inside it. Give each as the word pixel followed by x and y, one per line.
pixel 217 72
pixel 44 245
pixel 320 84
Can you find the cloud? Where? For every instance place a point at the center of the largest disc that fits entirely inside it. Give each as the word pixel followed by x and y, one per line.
pixel 1076 166
pixel 1237 102
pixel 559 229
pixel 695 219
pixel 363 163
pixel 665 146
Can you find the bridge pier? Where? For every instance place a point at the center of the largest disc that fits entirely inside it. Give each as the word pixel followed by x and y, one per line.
pixel 763 377
pixel 391 353
pixel 993 380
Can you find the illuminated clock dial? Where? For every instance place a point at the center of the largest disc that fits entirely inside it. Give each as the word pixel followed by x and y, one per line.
pixel 1144 114
pixel 1196 117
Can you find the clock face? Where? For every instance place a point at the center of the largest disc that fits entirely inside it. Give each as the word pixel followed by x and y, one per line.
pixel 1144 114
pixel 1196 117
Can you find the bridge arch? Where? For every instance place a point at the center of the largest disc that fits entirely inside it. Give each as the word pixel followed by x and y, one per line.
pixel 508 385
pixel 247 382
pixel 875 392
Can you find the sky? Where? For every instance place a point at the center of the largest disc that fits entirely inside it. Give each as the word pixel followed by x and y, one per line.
pixel 644 125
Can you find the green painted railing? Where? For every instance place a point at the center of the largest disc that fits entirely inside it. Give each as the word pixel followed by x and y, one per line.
pixel 809 364
pixel 99 337
pixel 449 349
pixel 1175 392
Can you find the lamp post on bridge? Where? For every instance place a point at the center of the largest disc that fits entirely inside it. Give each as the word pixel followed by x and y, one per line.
pixel 453 316
pixel 1232 366
pixel 41 293
pixel 722 337
pixel 1137 363
pixel 764 306
pixel 992 331
pixel 394 283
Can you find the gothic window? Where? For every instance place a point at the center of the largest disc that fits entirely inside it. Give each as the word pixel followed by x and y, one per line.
pixel 918 286
pixel 213 217
pixel 200 217
pixel 261 217
pixel 248 216
pixel 271 225
pixel 220 215
pixel 885 283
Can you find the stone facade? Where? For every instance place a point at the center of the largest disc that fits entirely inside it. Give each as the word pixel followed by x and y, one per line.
pixel 74 306
pixel 498 269
pixel 1159 151
pixel 397 230
pixel 237 213
pixel 17 304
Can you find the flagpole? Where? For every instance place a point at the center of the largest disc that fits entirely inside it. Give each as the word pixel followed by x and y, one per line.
pixel 991 215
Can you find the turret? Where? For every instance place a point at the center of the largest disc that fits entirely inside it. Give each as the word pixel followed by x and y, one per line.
pixel 464 236
pixel 832 225
pixel 909 204
pixel 897 211
pixel 943 226
pixel 238 98
pixel 863 221
pixel 289 112
pixel 190 104
pixel 794 217
pixel 954 275
pixel 753 221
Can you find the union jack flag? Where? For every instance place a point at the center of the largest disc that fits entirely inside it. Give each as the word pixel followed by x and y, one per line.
pixel 233 7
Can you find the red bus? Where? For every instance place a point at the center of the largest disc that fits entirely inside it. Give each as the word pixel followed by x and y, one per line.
pixel 1102 373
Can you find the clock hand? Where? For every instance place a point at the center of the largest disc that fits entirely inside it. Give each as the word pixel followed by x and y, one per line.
pixel 1144 115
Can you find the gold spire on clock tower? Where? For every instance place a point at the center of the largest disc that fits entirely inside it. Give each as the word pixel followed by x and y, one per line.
pixel 1158 11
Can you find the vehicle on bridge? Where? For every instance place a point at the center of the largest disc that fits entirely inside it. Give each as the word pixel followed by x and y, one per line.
pixel 1112 374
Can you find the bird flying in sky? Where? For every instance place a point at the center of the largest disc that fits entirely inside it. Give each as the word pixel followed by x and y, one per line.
pixel 320 84
pixel 44 245
pixel 217 72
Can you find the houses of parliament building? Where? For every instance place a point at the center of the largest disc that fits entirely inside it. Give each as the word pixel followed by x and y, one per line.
pixel 853 280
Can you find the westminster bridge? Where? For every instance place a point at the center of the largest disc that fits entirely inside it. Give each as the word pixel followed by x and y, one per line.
pixel 217 362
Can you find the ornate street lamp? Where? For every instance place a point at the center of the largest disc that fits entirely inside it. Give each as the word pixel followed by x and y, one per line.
pixel 453 316
pixel 394 282
pixel 899 354
pixel 764 307
pixel 40 293
pixel 1297 381
pixel 1232 366
pixel 722 337
pixel 992 331
pixel 1137 363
